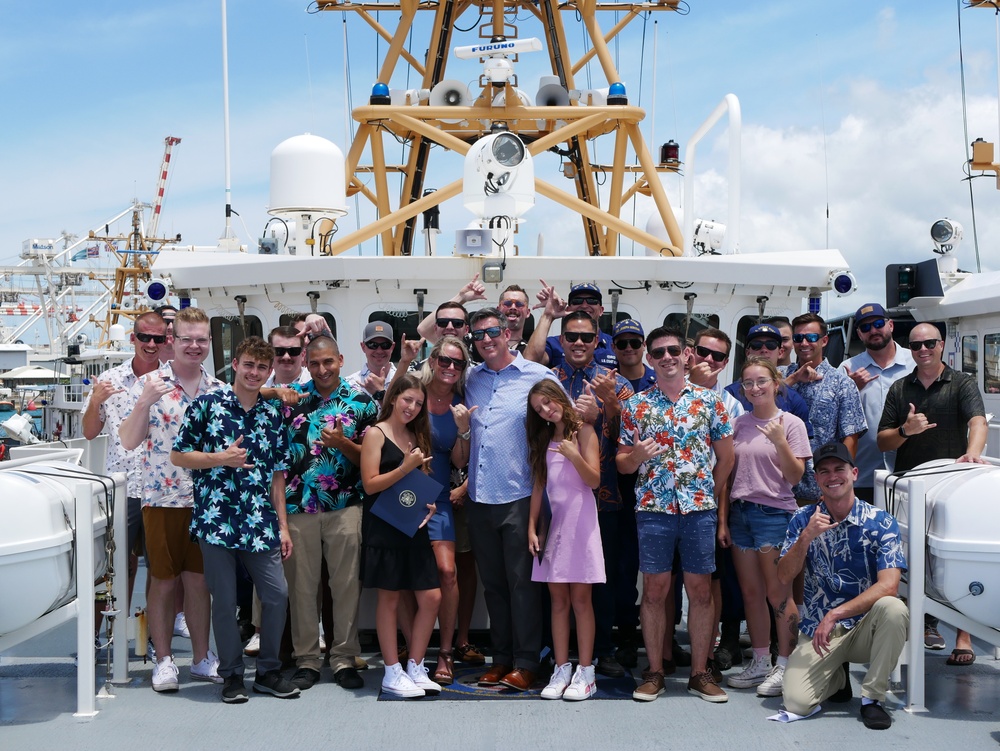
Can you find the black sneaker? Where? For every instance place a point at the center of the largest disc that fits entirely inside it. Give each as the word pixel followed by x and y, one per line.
pixel 304 678
pixel 681 657
pixel 609 666
pixel 348 678
pixel 275 684
pixel 875 717
pixel 845 694
pixel 233 691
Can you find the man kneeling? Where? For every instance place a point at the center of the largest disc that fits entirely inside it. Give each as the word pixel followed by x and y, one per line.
pixel 853 560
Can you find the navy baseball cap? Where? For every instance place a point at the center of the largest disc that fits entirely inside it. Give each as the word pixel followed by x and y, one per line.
pixel 585 289
pixel 765 331
pixel 628 326
pixel 833 450
pixel 869 310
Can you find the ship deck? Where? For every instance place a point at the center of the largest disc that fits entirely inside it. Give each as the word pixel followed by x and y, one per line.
pixel 37 701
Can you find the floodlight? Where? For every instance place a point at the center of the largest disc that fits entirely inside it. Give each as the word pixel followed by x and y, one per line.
pixel 946 234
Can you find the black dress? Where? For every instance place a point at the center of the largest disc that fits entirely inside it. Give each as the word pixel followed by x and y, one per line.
pixel 391 559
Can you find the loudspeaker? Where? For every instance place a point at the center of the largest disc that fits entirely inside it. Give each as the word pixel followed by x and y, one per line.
pixel 451 94
pixel 474 242
pixel 551 93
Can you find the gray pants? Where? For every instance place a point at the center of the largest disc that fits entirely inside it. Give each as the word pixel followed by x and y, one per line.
pixel 269 580
pixel 499 535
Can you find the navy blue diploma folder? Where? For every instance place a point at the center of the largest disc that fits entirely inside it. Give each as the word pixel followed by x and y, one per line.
pixel 404 504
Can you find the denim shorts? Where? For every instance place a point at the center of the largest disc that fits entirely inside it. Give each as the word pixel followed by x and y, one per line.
pixel 753 526
pixel 692 534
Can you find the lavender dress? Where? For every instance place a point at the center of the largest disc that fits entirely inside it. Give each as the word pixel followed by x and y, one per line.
pixel 573 552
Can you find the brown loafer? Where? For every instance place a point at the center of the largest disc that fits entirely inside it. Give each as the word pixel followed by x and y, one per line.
pixel 492 676
pixel 518 679
pixel 444 674
pixel 469 654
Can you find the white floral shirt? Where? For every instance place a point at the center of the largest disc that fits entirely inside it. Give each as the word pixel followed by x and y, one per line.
pixel 113 413
pixel 165 485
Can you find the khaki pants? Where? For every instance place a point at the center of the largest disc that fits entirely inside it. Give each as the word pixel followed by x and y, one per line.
pixel 878 639
pixel 335 536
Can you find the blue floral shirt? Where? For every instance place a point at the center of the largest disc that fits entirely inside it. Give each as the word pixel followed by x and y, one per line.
pixel 606 426
pixel 232 506
pixel 319 478
pixel 678 481
pixel 835 413
pixel 844 561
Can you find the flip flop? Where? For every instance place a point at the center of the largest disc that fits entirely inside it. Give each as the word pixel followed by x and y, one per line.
pixel 957 653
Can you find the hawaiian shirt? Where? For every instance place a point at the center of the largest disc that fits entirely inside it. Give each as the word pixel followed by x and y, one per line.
pixel 319 478
pixel 606 426
pixel 164 484
pixel 835 412
pixel 678 481
pixel 113 412
pixel 844 561
pixel 232 506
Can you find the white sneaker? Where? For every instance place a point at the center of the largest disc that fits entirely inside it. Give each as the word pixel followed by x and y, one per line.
pixel 753 675
pixel 207 669
pixel 252 649
pixel 322 641
pixel 181 626
pixel 165 675
pixel 418 674
pixel 558 682
pixel 583 685
pixel 772 684
pixel 397 682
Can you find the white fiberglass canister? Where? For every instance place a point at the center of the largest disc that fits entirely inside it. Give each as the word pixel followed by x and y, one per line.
pixel 963 536
pixel 37 539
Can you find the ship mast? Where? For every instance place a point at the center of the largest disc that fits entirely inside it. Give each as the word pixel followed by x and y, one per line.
pixel 563 128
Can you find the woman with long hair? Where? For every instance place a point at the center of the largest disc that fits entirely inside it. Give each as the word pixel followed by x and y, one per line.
pixel 443 375
pixel 392 562
pixel 771 448
pixel 564 456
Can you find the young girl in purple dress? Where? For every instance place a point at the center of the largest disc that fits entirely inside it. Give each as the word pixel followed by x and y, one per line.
pixel 565 463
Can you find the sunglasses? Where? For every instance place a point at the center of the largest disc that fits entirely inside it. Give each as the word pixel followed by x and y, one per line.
pixel 706 352
pixel 451 362
pixel 290 351
pixel 457 323
pixel 512 304
pixel 628 343
pixel 492 331
pixel 674 350
pixel 811 338
pixel 576 336
pixel 758 344
pixel 585 301
pixel 928 343
pixel 383 344
pixel 147 338
pixel 878 323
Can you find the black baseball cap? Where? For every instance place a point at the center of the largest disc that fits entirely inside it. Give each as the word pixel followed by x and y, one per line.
pixel 833 450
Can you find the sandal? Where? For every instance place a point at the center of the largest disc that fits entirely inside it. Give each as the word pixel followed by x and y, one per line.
pixel 957 654
pixel 469 654
pixel 444 674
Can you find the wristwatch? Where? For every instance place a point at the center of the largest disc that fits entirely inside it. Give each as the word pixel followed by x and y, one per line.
pixel 466 435
pixel 902 433
pixel 379 395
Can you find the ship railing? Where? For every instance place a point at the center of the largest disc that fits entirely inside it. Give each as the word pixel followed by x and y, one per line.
pixel 914 588
pixel 90 454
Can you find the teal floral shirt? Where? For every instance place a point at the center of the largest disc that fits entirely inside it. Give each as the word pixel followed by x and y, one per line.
pixel 319 478
pixel 678 481
pixel 232 506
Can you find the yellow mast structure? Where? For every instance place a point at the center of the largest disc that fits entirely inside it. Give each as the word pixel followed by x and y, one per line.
pixel 566 128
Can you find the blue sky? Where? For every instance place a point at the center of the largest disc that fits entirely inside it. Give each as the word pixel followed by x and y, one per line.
pixel 854 105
